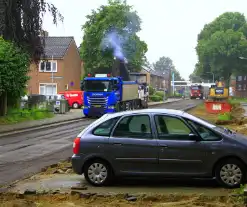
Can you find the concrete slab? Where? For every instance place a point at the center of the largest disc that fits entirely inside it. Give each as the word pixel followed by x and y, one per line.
pixel 64 183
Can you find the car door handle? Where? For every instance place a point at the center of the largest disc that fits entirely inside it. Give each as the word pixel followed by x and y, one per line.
pixel 119 144
pixel 163 145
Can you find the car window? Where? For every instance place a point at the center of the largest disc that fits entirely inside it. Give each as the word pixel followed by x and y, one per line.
pixel 137 126
pixel 205 133
pixel 105 128
pixel 167 125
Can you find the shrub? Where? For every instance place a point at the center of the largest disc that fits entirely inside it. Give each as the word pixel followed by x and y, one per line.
pixel 225 117
pixel 159 93
pixel 151 90
pixel 155 98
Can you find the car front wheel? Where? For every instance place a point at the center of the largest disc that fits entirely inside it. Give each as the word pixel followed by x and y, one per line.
pixel 230 173
pixel 98 173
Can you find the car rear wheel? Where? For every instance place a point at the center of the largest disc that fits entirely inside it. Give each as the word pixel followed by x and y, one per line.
pixel 98 173
pixel 230 173
pixel 75 105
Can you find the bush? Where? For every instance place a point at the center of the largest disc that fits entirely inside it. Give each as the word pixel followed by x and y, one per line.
pixel 225 117
pixel 151 90
pixel 155 98
pixel 159 93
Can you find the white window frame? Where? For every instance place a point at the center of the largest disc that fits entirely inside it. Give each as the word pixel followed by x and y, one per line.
pixel 45 71
pixel 50 84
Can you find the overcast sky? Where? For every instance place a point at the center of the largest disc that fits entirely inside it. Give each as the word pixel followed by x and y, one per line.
pixel 169 27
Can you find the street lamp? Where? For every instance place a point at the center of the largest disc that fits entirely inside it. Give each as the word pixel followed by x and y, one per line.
pixel 212 74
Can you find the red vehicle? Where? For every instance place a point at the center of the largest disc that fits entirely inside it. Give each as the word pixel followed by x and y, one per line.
pixel 196 91
pixel 74 98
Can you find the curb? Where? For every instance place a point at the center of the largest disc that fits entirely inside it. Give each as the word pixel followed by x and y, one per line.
pixel 56 123
pixel 45 125
pixel 189 108
pixel 161 103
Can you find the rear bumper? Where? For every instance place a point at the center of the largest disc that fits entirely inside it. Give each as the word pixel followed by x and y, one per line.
pixel 77 164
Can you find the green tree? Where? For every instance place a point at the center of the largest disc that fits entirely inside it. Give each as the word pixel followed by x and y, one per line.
pixel 165 64
pixel 13 74
pixel 20 23
pixel 220 44
pixel 110 31
pixel 177 76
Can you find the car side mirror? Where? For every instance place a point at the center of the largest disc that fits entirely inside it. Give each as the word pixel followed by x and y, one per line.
pixel 194 137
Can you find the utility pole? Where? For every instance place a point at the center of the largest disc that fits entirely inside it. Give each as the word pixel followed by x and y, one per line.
pixel 52 75
pixel 173 85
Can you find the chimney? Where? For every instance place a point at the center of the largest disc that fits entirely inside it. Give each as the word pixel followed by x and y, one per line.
pixel 44 33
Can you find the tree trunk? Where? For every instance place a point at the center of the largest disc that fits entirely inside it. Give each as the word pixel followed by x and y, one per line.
pixel 3 104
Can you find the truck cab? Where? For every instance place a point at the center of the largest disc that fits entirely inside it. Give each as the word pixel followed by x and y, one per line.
pixel 196 91
pixel 100 94
pixel 104 93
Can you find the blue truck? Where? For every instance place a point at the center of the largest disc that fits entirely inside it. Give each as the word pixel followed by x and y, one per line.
pixel 104 93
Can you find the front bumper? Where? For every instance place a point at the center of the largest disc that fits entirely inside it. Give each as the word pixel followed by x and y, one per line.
pixel 97 111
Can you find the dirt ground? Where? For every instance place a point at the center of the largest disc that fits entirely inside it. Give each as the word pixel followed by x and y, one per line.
pixel 238 122
pixel 118 201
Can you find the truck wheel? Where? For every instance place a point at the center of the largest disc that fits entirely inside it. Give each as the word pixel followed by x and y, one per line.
pixel 75 105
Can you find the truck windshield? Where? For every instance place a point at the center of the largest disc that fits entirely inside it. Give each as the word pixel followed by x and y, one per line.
pixel 195 88
pixel 97 85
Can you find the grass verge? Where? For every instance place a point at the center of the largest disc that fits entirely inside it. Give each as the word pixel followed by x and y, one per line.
pixel 17 115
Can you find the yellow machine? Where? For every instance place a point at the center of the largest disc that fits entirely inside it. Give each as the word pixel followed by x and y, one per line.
pixel 218 91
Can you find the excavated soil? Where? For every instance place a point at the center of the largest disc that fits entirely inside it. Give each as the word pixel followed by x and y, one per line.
pixel 238 122
pixel 14 200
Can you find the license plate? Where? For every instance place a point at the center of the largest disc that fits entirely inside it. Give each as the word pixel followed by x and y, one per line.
pixel 97 106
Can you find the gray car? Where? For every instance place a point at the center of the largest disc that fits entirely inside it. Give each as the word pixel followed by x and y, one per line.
pixel 159 142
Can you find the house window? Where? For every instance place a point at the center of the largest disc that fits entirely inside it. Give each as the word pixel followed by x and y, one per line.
pixel 239 78
pixel 48 66
pixel 244 87
pixel 47 89
pixel 239 87
pixel 245 77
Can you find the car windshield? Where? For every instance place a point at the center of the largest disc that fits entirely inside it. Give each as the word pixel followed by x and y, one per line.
pixel 98 85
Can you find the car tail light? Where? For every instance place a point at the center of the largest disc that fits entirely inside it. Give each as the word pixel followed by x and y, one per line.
pixel 76 145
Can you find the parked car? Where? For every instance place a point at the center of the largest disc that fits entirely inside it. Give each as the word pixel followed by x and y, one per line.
pixel 159 142
pixel 74 98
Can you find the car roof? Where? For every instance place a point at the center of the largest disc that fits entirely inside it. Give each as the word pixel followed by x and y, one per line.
pixel 181 113
pixel 145 111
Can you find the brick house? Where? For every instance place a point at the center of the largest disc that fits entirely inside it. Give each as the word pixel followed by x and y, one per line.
pixel 152 78
pixel 61 69
pixel 241 85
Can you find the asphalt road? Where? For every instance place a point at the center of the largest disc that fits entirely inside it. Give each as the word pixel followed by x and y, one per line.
pixel 27 153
